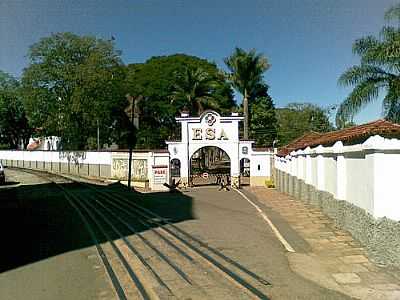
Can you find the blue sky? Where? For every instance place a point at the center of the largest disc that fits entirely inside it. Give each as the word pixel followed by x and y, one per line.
pixel 308 42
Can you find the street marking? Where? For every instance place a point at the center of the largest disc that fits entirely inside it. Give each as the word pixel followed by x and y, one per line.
pixel 266 219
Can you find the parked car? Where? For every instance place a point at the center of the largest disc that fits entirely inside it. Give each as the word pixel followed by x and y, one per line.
pixel 2 175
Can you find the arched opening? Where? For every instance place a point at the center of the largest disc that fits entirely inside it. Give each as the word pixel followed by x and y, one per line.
pixel 175 168
pixel 210 165
pixel 245 171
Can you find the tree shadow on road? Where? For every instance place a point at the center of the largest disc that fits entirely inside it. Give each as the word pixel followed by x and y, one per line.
pixel 38 222
pixel 7 183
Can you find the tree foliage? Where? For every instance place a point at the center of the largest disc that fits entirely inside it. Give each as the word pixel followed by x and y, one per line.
pixel 297 119
pixel 378 71
pixel 166 84
pixel 193 90
pixel 73 83
pixel 14 127
pixel 263 123
pixel 246 74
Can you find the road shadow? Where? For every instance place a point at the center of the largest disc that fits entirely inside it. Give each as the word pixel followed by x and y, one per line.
pixel 38 222
pixel 9 183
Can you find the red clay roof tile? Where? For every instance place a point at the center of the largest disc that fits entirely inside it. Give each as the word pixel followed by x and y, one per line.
pixel 347 135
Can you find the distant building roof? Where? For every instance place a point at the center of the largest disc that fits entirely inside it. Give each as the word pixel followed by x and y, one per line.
pixel 351 135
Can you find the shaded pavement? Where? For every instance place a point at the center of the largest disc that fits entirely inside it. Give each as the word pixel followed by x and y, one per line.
pixel 47 253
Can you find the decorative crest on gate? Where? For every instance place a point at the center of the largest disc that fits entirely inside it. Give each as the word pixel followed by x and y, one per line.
pixel 211 119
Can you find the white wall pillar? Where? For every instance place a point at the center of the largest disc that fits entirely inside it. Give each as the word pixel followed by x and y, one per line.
pixel 235 164
pixel 293 163
pixel 308 169
pixel 341 173
pixel 384 162
pixel 320 169
pixel 301 165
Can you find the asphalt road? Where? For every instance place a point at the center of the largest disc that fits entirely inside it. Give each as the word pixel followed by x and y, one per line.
pixel 229 223
pixel 47 254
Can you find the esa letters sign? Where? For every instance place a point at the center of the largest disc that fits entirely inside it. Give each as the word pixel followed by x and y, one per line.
pixel 199 134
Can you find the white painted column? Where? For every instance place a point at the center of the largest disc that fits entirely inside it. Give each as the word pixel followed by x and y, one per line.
pixel 301 164
pixel 291 163
pixel 341 173
pixel 294 166
pixel 185 160
pixel 320 169
pixel 308 177
pixel 235 163
pixel 384 162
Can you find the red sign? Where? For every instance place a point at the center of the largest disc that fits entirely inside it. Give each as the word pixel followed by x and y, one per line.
pixel 159 174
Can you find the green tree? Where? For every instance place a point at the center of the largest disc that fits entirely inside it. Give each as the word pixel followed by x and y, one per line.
pixel 246 73
pixel 193 89
pixel 73 85
pixel 14 127
pixel 297 119
pixel 156 80
pixel 379 71
pixel 263 123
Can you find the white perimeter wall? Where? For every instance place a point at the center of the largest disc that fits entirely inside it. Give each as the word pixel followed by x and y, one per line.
pixel 102 158
pixel 366 175
pixel 154 159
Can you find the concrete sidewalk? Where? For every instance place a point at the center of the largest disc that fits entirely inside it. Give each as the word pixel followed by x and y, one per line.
pixel 336 261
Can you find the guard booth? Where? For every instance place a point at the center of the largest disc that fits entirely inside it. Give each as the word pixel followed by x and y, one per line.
pixel 210 150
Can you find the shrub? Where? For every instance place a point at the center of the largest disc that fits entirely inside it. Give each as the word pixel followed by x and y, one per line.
pixel 270 183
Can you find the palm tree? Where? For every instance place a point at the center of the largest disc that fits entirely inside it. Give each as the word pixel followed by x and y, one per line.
pixel 194 89
pixel 378 71
pixel 246 75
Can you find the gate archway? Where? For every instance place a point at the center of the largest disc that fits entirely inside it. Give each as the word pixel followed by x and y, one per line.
pixel 211 129
pixel 209 165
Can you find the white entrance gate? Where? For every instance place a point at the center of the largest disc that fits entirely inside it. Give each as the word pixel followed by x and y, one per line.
pixel 213 130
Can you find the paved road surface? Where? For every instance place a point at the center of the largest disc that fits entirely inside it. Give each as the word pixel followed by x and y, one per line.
pixel 229 223
pixel 54 265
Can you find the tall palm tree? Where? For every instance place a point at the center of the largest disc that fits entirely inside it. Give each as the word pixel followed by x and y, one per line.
pixel 194 89
pixel 378 71
pixel 246 75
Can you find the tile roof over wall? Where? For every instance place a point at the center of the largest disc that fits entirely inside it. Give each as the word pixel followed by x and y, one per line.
pixel 299 143
pixel 263 149
pixel 351 135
